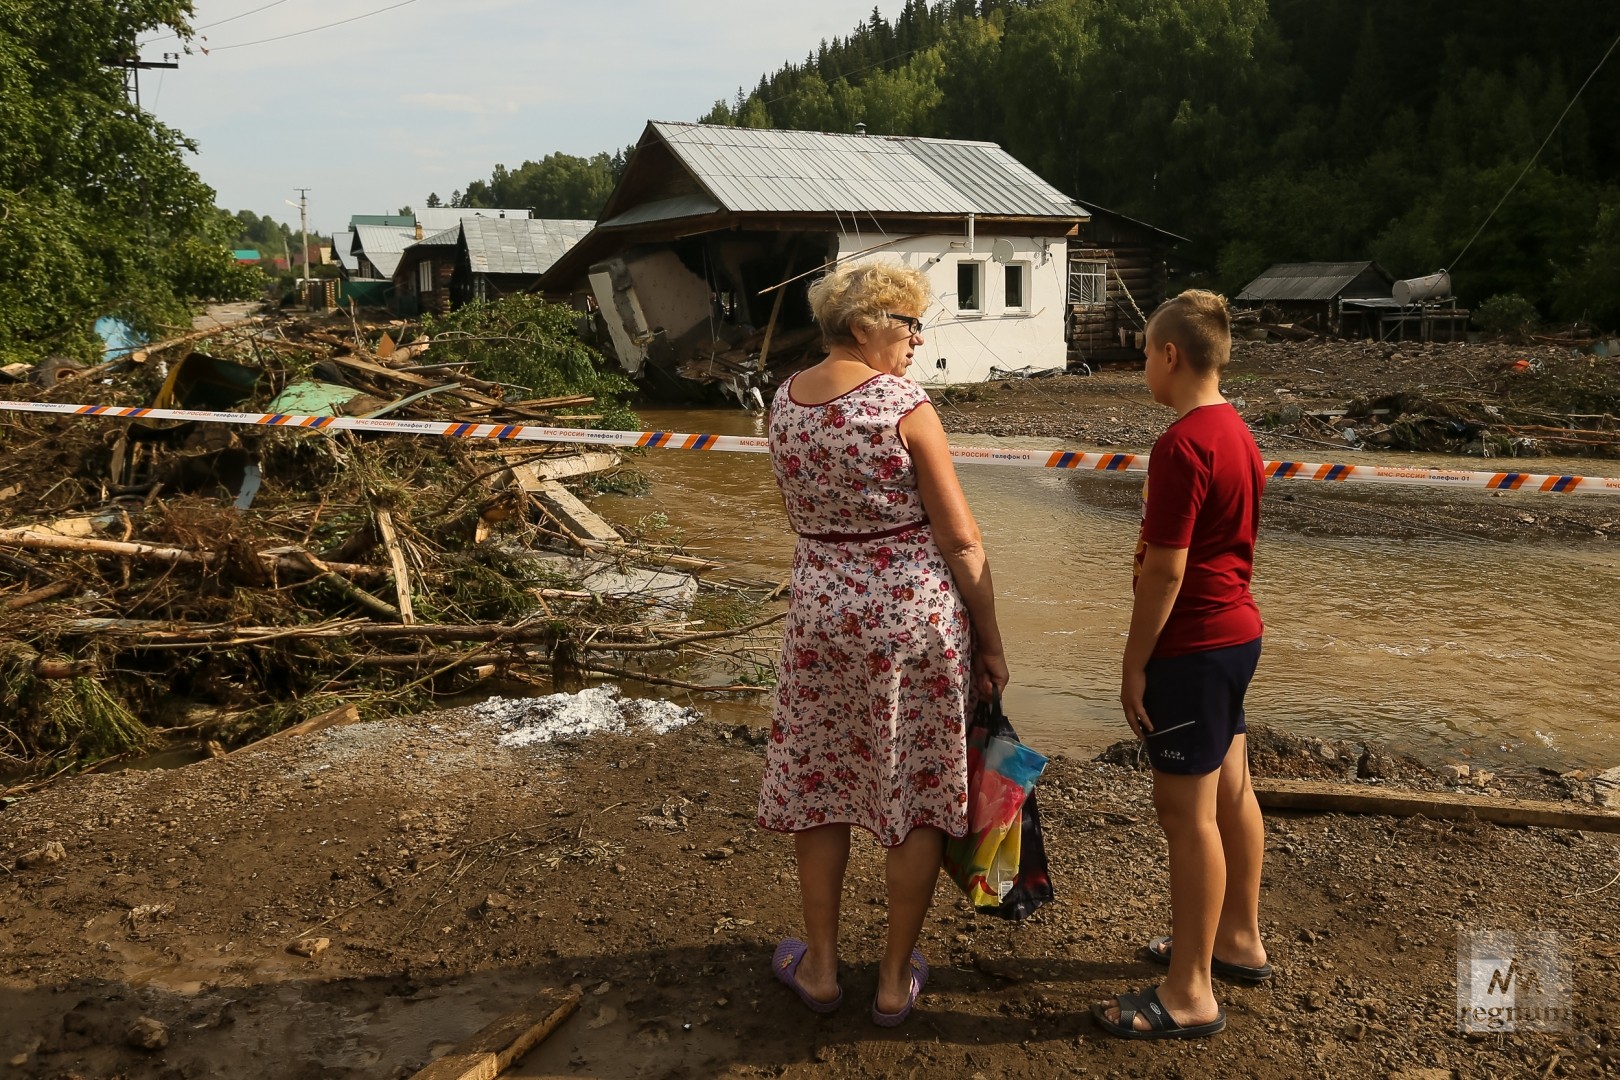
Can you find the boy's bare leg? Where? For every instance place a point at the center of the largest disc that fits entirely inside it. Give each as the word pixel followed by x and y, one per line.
pixel 1186 807
pixel 823 854
pixel 1243 841
pixel 911 871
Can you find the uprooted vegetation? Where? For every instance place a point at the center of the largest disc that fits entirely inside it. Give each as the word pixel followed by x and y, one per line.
pixel 164 579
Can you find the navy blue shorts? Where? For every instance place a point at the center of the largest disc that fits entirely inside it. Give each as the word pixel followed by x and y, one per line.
pixel 1195 702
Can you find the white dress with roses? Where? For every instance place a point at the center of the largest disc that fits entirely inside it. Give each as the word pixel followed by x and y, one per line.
pixel 874 684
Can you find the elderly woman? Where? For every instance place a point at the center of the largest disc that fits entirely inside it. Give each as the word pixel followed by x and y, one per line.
pixel 891 631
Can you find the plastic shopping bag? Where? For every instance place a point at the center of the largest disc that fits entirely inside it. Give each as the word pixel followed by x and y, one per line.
pixel 1001 863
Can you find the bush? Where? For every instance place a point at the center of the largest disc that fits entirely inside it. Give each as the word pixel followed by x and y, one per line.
pixel 534 347
pixel 1506 314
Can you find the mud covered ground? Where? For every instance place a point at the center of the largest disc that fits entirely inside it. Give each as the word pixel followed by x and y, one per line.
pixel 1278 385
pixel 452 876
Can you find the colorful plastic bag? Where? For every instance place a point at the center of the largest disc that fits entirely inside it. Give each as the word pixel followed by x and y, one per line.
pixel 1001 863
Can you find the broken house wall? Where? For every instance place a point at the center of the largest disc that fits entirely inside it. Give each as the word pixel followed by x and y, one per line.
pixel 962 343
pixel 655 308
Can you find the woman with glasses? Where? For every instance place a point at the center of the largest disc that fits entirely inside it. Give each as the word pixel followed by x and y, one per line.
pixel 891 633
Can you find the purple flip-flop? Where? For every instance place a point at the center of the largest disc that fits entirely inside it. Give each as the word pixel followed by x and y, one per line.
pixel 785 966
pixel 919 979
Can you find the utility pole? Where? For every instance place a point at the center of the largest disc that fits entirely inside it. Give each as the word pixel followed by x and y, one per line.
pixel 134 65
pixel 303 223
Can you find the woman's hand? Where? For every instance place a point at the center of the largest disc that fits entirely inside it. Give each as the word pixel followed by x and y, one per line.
pixel 989 672
pixel 1132 686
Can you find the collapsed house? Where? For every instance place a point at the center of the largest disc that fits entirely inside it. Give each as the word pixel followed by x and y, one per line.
pixel 699 264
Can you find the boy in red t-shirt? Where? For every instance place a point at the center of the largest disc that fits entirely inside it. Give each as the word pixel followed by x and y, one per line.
pixel 1193 646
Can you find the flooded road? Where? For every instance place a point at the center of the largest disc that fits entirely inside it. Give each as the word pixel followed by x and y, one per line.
pixel 1452 649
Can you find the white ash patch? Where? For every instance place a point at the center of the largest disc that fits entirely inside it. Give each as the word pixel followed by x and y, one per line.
pixel 597 710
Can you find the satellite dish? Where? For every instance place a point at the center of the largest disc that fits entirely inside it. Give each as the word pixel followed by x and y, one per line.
pixel 1003 251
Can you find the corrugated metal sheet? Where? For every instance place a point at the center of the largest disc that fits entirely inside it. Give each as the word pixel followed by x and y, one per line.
pixel 341 248
pixel 377 240
pixel 508 246
pixel 435 218
pixel 750 170
pixel 448 238
pixel 1303 281
pixel 386 262
pixel 681 206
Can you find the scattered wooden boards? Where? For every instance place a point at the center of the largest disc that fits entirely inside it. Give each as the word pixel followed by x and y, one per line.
pixel 496 1048
pixel 1367 799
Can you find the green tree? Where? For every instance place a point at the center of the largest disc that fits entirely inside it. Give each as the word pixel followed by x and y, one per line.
pixel 101 213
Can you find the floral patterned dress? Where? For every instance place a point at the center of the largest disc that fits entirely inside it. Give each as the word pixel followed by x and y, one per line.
pixel 874 683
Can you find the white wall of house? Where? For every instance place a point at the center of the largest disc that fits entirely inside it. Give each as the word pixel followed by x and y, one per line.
pixel 964 334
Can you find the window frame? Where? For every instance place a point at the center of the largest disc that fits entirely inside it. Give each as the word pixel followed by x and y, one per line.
pixel 424 276
pixel 1095 270
pixel 1025 271
pixel 977 268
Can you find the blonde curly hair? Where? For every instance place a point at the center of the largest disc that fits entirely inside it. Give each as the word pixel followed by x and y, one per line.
pixel 863 295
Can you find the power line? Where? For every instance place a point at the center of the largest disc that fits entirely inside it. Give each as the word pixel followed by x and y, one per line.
pixel 1512 188
pixel 220 22
pixel 311 30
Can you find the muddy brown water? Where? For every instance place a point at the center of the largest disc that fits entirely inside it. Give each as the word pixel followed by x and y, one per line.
pixel 1450 649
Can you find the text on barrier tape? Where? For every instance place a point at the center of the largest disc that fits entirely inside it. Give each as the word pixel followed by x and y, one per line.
pixel 671 440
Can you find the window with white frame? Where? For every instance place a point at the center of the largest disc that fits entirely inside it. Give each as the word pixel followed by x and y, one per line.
pixel 424 276
pixel 970 286
pixel 1016 296
pixel 1088 283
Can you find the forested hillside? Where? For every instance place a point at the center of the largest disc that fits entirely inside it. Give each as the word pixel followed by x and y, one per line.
pixel 1289 130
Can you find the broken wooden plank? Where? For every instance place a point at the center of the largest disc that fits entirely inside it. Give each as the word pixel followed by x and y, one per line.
pixel 499 1046
pixel 396 558
pixel 1366 799
pixel 532 472
pixel 574 515
pixel 342 716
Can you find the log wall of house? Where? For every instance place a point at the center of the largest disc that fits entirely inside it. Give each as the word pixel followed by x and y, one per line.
pixel 1136 283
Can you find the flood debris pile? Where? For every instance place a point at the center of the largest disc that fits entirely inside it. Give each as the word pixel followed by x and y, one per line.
pixel 1488 400
pixel 211 582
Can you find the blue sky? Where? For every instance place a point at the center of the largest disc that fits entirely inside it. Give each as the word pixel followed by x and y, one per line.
pixel 373 115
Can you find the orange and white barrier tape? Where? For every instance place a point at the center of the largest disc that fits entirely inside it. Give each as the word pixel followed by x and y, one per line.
pixel 1559 484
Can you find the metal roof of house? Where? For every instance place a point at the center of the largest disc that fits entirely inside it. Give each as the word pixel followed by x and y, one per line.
pixel 681 206
pixel 519 246
pixel 342 248
pixel 754 170
pixel 435 218
pixel 445 238
pixel 1308 281
pixel 377 240
pixel 395 220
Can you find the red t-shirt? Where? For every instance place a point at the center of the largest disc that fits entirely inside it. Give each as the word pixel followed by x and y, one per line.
pixel 1206 476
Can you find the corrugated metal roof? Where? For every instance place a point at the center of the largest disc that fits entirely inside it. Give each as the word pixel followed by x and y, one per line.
pixel 681 206
pixel 518 246
pixel 434 218
pixel 386 262
pixel 394 220
pixel 754 170
pixel 377 240
pixel 448 238
pixel 341 248
pixel 1304 281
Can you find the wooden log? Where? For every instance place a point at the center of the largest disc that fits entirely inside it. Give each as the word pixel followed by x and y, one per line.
pixel 396 559
pixel 1453 806
pixel 341 716
pixel 285 561
pixel 155 630
pixel 324 573
pixel 531 472
pixel 34 596
pixel 501 1044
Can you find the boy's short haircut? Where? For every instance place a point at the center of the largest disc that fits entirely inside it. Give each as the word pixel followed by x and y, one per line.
pixel 1200 325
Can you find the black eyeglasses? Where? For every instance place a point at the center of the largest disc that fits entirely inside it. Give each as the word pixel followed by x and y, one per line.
pixel 913 323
